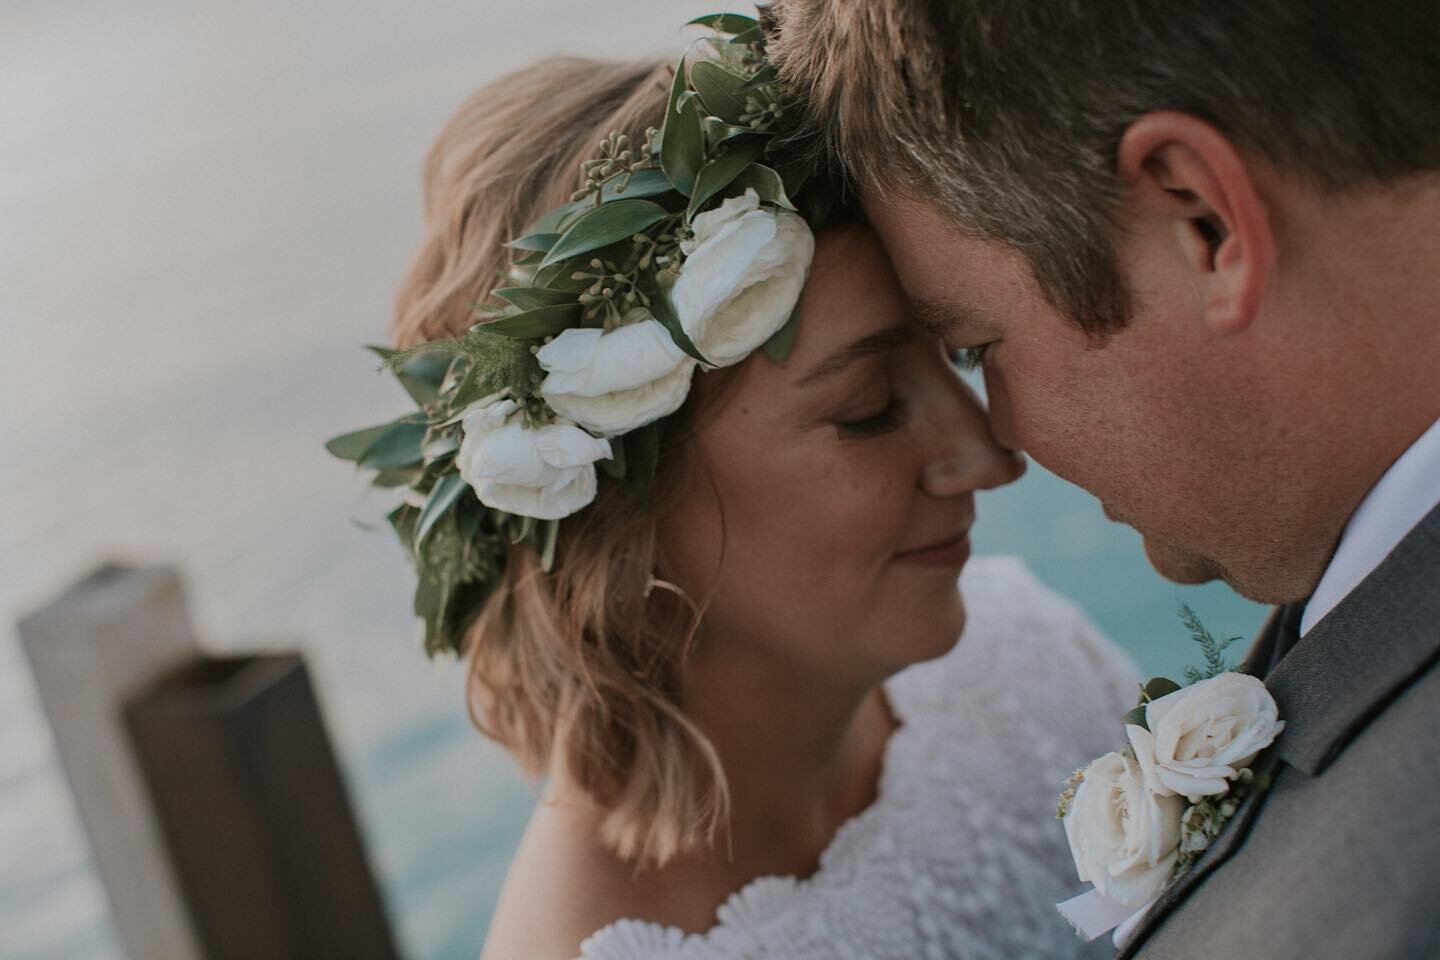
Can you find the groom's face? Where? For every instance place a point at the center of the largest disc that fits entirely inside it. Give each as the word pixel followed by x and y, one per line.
pixel 1145 420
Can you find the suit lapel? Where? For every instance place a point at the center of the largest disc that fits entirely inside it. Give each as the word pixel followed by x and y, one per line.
pixel 1328 688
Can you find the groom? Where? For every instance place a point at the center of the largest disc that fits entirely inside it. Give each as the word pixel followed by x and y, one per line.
pixel 1196 247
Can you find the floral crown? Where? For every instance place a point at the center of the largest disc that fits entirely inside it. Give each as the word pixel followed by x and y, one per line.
pixel 685 253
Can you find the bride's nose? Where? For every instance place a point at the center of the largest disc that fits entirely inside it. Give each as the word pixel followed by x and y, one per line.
pixel 965 456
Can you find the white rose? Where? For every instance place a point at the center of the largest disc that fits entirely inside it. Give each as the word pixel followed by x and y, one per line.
pixel 547 473
pixel 743 272
pixel 1204 734
pixel 1124 837
pixel 611 383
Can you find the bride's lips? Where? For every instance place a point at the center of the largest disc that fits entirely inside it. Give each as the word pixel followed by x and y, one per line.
pixel 950 552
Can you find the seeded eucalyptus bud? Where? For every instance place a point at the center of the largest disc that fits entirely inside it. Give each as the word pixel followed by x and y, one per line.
pixel 625 155
pixel 577 275
pixel 587 298
pixel 596 263
pixel 550 339
pixel 623 140
pixel 579 195
pixel 607 293
pixel 534 349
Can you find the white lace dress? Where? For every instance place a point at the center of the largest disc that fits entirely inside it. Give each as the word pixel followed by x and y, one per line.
pixel 960 855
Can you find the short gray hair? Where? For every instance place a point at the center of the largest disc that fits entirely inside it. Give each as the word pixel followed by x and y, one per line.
pixel 1009 112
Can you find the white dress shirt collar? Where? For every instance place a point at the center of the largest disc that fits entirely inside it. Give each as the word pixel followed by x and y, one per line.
pixel 1403 496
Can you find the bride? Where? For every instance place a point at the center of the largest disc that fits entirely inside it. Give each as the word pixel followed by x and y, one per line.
pixel 730 652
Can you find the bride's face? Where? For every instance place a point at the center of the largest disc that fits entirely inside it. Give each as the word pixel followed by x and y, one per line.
pixel 831 496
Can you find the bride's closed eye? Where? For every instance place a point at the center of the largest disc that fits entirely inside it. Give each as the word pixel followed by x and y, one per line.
pixel 884 420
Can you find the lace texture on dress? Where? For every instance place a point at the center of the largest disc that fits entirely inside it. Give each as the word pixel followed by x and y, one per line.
pixel 960 855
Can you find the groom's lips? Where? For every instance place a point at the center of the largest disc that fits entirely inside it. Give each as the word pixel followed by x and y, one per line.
pixel 950 552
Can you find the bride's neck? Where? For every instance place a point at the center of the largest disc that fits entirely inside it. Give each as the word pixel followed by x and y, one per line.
pixel 802 753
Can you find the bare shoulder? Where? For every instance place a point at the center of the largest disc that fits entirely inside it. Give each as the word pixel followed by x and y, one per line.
pixel 562 886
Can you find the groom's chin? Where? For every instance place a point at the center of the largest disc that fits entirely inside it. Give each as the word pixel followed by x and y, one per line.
pixel 1181 566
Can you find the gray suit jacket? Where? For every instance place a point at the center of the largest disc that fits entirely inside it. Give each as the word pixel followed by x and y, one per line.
pixel 1341 856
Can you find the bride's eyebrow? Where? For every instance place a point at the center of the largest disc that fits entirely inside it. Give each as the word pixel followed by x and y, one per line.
pixel 867 346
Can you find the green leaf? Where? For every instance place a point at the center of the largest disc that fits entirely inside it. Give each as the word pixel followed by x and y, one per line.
pixel 529 298
pixel 766 183
pixel 614 467
pixel 352 446
pixel 1160 687
pixel 777 348
pixel 533 324
pixel 603 226
pixel 1137 717
pixel 553 221
pixel 549 538
pixel 524 527
pixel 720 90
pixel 440 445
pixel 717 174
pixel 682 140
pixel 398 446
pixel 748 36
pixel 643 454
pixel 534 241
pixel 402 521
pixel 664 311
pixel 445 492
pixel 724 22
pixel 398 477
pixel 426 604
pixel 765 75
pixel 422 374
pixel 644 183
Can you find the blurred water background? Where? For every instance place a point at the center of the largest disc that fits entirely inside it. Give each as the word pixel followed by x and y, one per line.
pixel 204 209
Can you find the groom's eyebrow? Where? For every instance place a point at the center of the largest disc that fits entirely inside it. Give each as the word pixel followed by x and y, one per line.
pixel 868 346
pixel 949 320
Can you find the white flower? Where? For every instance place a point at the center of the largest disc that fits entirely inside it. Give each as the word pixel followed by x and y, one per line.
pixel 743 272
pixel 1123 836
pixel 611 383
pixel 1206 733
pixel 547 473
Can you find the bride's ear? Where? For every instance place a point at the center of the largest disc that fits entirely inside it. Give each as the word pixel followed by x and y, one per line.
pixel 1184 173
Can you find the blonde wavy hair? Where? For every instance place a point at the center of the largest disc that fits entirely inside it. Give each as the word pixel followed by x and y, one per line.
pixel 581 666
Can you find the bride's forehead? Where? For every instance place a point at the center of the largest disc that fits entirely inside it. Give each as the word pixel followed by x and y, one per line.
pixel 851 292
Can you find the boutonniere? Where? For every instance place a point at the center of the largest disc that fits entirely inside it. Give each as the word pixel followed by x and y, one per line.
pixel 1138 818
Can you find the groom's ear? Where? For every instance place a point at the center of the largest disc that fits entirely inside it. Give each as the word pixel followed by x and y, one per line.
pixel 1187 176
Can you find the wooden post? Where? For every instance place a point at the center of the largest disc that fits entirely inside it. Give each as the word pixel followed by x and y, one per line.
pixel 254 812
pixel 89 649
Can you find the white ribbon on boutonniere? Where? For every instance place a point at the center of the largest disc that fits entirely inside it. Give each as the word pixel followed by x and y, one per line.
pixel 1137 819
